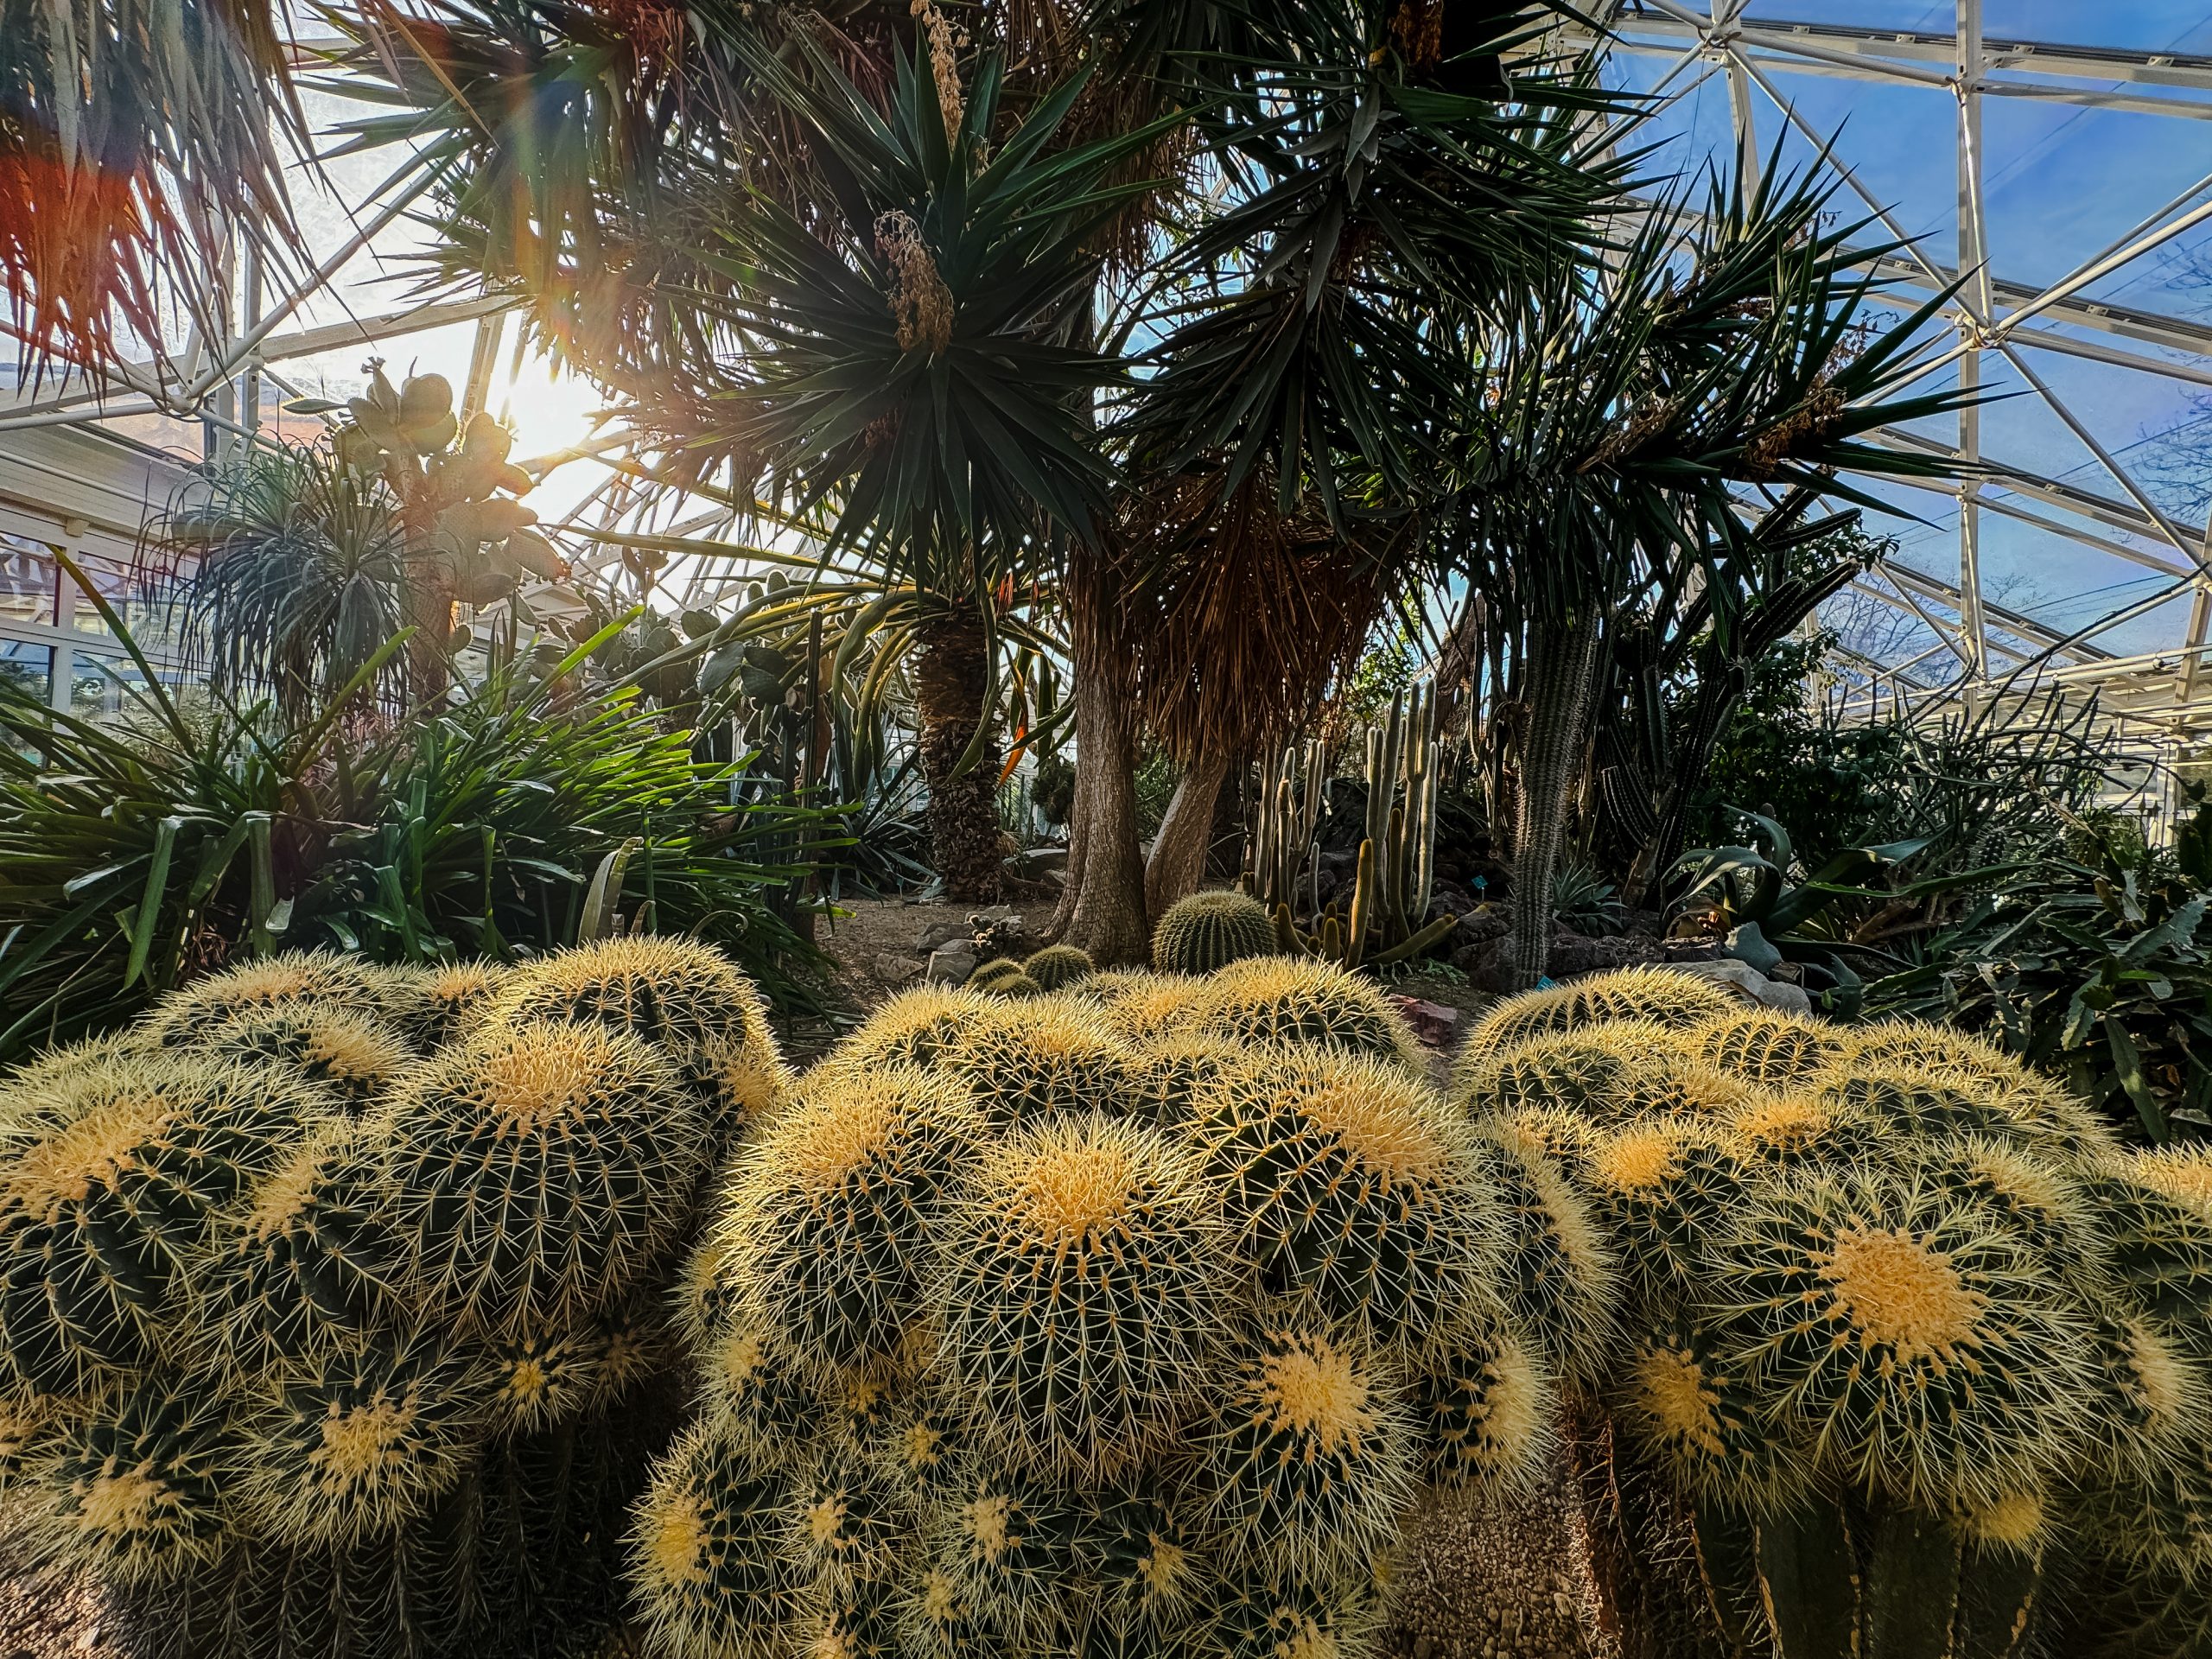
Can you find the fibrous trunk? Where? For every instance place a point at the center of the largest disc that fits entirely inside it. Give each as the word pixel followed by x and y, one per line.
pixel 1102 909
pixel 1179 852
pixel 952 679
pixel 1561 656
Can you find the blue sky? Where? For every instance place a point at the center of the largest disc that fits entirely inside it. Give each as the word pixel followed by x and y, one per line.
pixel 2063 181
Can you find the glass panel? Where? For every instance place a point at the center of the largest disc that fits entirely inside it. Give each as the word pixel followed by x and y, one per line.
pixel 113 584
pixel 92 690
pixel 27 573
pixel 28 666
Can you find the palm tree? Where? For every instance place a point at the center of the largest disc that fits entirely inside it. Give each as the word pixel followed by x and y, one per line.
pixel 1606 424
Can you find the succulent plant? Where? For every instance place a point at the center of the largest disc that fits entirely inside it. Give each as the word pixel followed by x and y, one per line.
pixel 1175 1071
pixel 1309 1457
pixel 185 1013
pixel 915 1029
pixel 1276 1001
pixel 2151 1396
pixel 1152 1572
pixel 1208 930
pixel 847 1518
pixel 1057 967
pixel 1699 1420
pixel 298 1262
pixel 1898 1324
pixel 1355 1190
pixel 1141 1007
pixel 633 1344
pixel 359 1439
pixel 986 977
pixel 708 1560
pixel 96 1213
pixel 1028 1060
pixel 1658 1190
pixel 354 1055
pixel 540 1381
pixel 1788 1130
pixel 1661 996
pixel 833 1209
pixel 1908 1101
pixel 536 1174
pixel 685 996
pixel 1576 1070
pixel 1484 1413
pixel 1082 1288
pixel 753 1395
pixel 2160 1238
pixel 1002 1563
pixel 1557 1274
pixel 1775 1051
pixel 131 1485
pixel 1264 1614
pixel 433 1006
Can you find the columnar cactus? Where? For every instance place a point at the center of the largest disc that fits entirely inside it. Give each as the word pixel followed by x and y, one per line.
pixel 536 1174
pixel 1081 1286
pixel 1208 930
pixel 1279 1002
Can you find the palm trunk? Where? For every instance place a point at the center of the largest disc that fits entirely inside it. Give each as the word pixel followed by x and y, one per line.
pixel 1102 909
pixel 1179 852
pixel 1562 658
pixel 951 678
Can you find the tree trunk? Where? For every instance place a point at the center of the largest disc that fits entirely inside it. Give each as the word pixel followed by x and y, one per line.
pixel 1562 658
pixel 951 678
pixel 426 605
pixel 1102 909
pixel 1179 852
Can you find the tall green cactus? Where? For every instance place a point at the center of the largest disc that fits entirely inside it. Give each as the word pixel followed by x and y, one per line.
pixel 1209 930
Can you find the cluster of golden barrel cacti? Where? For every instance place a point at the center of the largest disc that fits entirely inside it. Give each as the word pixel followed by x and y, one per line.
pixel 1903 1323
pixel 332 1297
pixel 1126 1320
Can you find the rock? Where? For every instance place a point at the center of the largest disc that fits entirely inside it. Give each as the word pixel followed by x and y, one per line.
pixel 1482 925
pixel 1574 953
pixel 951 964
pixel 978 920
pixel 940 933
pixel 895 972
pixel 1436 1026
pixel 1036 862
pixel 1748 983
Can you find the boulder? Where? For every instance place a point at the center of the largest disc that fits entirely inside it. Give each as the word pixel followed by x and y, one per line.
pixel 895 972
pixel 951 964
pixel 1749 983
pixel 939 933
pixel 1437 1025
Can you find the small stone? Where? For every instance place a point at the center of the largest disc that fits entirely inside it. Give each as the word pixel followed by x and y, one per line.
pixel 897 971
pixel 1435 1025
pixel 1748 983
pixel 940 933
pixel 951 964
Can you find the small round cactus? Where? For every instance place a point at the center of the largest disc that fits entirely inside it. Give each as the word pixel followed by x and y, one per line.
pixel 434 1006
pixel 1208 930
pixel 1575 1070
pixel 1273 1001
pixel 1775 1051
pixel 354 1055
pixel 754 1394
pixel 1082 1290
pixel 537 1174
pixel 1793 1130
pixel 995 974
pixel 2151 1395
pixel 1151 1573
pixel 1264 1615
pixel 1026 1061
pixel 354 1443
pixel 1356 1189
pixel 1002 1561
pixel 1904 1100
pixel 542 1380
pixel 1904 1327
pixel 709 1564
pixel 1057 967
pixel 1484 1415
pixel 846 1519
pixel 685 996
pixel 1311 1455
pixel 97 1214
pixel 1143 1008
pixel 2150 1209
pixel 185 1014
pixel 132 1484
pixel 834 1208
